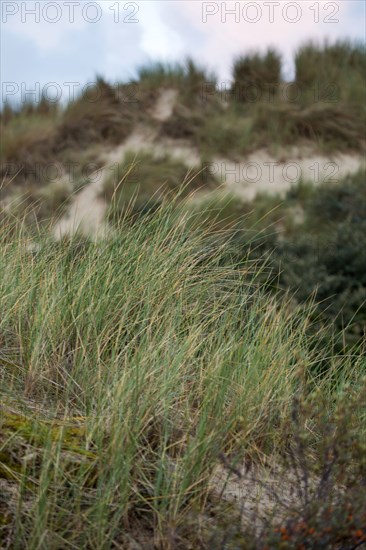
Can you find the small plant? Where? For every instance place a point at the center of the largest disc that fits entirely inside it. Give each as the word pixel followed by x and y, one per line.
pixel 315 495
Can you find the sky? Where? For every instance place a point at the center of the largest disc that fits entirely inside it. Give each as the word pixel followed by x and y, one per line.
pixel 60 46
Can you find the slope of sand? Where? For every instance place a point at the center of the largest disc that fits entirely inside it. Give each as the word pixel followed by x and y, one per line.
pixel 87 211
pixel 257 173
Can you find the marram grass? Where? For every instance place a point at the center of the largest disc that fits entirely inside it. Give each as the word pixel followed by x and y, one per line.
pixel 127 367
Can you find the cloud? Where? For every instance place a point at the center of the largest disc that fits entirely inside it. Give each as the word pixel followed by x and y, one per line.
pixel 227 29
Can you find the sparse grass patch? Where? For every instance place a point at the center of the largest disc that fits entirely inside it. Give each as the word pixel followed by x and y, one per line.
pixel 158 74
pixel 192 82
pixel 140 183
pixel 227 132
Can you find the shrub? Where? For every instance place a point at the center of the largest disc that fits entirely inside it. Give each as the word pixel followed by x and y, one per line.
pixel 332 73
pixel 322 258
pixel 314 495
pixel 256 75
pixel 97 116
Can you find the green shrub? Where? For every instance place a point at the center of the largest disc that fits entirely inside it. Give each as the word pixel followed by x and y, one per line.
pixel 334 204
pixel 256 76
pixel 332 73
pixel 322 258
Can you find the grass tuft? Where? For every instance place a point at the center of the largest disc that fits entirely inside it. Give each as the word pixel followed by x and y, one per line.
pixel 127 368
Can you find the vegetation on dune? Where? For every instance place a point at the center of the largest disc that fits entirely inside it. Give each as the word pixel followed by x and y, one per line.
pixel 331 127
pixel 243 129
pixel 256 76
pixel 36 143
pixel 99 115
pixel 334 73
pixel 128 367
pixel 324 106
pixel 192 82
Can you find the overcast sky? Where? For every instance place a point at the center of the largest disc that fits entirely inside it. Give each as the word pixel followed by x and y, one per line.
pixel 72 41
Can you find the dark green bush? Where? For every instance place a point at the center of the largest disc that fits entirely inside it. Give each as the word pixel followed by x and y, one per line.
pixel 321 259
pixel 256 75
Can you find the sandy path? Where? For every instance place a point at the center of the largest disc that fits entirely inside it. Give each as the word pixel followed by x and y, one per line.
pixel 164 107
pixel 262 491
pixel 258 173
pixel 262 173
pixel 87 211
